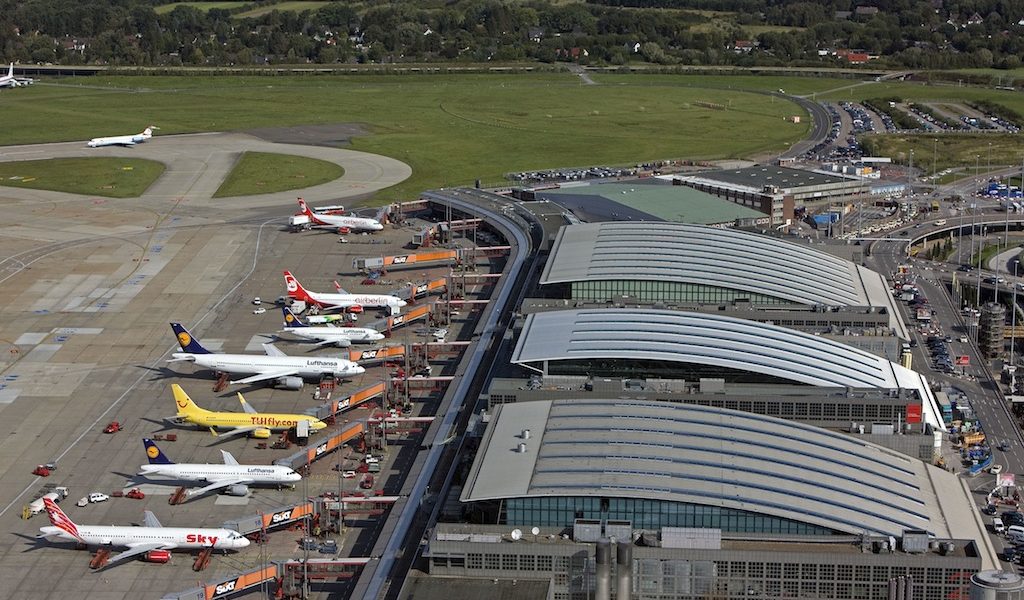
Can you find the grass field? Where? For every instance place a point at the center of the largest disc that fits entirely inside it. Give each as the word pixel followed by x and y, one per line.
pixel 265 173
pixel 203 6
pixel 451 129
pixel 110 177
pixel 298 5
pixel 967 151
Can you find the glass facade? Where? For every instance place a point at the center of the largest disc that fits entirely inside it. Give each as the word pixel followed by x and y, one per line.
pixel 647 514
pixel 658 369
pixel 665 291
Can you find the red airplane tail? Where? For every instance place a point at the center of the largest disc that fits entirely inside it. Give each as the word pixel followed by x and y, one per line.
pixel 60 520
pixel 295 289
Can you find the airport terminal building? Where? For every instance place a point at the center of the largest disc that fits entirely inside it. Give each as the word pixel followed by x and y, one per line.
pixel 708 268
pixel 709 502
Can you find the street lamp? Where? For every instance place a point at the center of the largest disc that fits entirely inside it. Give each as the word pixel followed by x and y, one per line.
pixel 935 159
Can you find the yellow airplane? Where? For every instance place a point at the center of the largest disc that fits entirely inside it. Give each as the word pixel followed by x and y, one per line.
pixel 258 424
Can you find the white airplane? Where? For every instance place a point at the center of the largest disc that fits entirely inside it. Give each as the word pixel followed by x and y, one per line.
pixel 232 477
pixel 342 223
pixel 354 303
pixel 139 540
pixel 286 371
pixel 9 80
pixel 123 140
pixel 338 336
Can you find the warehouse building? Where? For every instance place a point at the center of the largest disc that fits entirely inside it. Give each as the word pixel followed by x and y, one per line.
pixel 777 191
pixel 681 265
pixel 706 503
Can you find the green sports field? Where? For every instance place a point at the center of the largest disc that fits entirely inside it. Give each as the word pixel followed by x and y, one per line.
pixel 110 177
pixel 451 129
pixel 204 6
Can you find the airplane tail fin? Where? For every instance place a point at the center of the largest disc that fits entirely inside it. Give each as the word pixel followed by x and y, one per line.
pixel 304 209
pixel 10 71
pixel 186 341
pixel 60 520
pixel 291 319
pixel 155 455
pixel 295 289
pixel 184 403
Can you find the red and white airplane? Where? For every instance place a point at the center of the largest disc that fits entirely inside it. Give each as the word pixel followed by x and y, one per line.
pixel 139 540
pixel 342 223
pixel 354 303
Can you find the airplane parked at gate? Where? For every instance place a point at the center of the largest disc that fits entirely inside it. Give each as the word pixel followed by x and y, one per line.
pixel 139 540
pixel 123 140
pixel 258 424
pixel 338 336
pixel 9 80
pixel 285 371
pixel 354 303
pixel 345 223
pixel 231 477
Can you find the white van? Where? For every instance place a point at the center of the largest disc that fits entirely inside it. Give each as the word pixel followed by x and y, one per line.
pixel 997 525
pixel 1015 534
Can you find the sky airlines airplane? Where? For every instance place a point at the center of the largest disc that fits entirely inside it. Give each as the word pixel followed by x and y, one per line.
pixel 231 477
pixel 123 140
pixel 338 336
pixel 138 540
pixel 285 371
pixel 342 300
pixel 258 424
pixel 341 222
pixel 9 80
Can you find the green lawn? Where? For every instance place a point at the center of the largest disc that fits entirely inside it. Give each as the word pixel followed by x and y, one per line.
pixel 298 5
pixel 264 173
pixel 966 151
pixel 110 177
pixel 451 129
pixel 203 6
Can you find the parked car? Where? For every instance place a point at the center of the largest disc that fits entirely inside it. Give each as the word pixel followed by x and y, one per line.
pixel 308 543
pixel 995 469
pixel 259 311
pixel 98 497
pixel 329 547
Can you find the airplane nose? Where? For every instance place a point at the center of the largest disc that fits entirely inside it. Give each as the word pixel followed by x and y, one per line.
pixel 242 542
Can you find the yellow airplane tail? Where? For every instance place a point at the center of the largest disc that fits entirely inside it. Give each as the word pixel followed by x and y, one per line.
pixel 186 407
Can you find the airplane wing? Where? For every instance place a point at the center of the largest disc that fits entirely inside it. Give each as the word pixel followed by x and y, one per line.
pixel 266 376
pixel 140 548
pixel 272 350
pixel 219 484
pixel 341 342
pixel 229 459
pixel 245 405
pixel 237 431
pixel 150 520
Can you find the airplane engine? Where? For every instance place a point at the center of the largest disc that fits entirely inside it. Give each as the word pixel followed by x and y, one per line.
pixel 355 309
pixel 261 434
pixel 344 230
pixel 237 490
pixel 290 383
pixel 343 343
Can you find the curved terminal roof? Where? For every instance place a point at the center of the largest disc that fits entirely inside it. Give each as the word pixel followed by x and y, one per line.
pixel 726 258
pixel 709 456
pixel 709 339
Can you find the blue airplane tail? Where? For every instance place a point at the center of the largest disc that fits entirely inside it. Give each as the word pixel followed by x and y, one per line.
pixel 186 341
pixel 291 319
pixel 155 455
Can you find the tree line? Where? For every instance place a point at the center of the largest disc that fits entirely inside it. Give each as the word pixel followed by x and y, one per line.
pixel 901 33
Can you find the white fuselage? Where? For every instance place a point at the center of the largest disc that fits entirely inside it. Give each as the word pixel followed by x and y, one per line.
pixel 174 537
pixel 353 223
pixel 342 335
pixel 251 364
pixel 259 474
pixel 363 300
